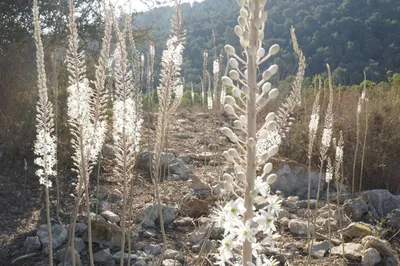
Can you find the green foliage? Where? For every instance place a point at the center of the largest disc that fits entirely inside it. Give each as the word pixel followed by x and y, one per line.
pixel 396 80
pixel 187 99
pixel 352 36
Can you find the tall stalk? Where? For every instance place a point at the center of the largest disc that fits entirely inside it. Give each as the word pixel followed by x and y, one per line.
pixel 327 133
pixel 255 145
pixel 313 127
pixel 45 147
pixel 170 84
pixel 55 84
pixel 359 107
pixel 365 100
pixel 86 116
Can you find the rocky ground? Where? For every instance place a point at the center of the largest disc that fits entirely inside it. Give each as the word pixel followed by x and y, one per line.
pixel 365 225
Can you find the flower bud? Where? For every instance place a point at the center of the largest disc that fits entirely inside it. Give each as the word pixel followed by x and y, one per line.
pixel 267 168
pixel 263 134
pixel 244 12
pixel 229 109
pixel 233 63
pixel 243 118
pixel 233 153
pixel 241 2
pixel 266 75
pixel 241 176
pixel 227 177
pixel 260 52
pixel 273 69
pixel 228 157
pixel 252 6
pixel 234 138
pixel 261 102
pixel 274 49
pixel 228 187
pixel 243 42
pixel 238 124
pixel 230 100
pixel 271 179
pixel 236 92
pixel 242 21
pixel 246 90
pixel 273 94
pixel 227 81
pixel 270 117
pixel 266 87
pixel 237 168
pixel 229 49
pixel 238 30
pixel 273 150
pixel 264 156
pixel 246 36
pixel 271 125
pixel 234 74
pixel 264 16
pixel 227 132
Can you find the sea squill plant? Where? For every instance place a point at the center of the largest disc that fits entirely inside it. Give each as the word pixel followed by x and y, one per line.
pixel 359 109
pixel 365 100
pixel 203 79
pixel 45 147
pixel 127 121
pixel 312 133
pixel 210 99
pixel 254 147
pixel 216 73
pixel 170 92
pixel 326 134
pixel 86 117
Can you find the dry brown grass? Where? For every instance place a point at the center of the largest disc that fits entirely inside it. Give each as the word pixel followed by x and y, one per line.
pixel 382 154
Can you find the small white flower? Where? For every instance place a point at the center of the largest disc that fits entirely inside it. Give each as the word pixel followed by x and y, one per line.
pixel 245 231
pixel 235 208
pixel 265 221
pixel 227 246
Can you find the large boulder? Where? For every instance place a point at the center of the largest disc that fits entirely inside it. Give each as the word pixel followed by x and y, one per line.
pixel 355 209
pixel 180 168
pixel 150 213
pixel 299 227
pixel 293 180
pixel 60 255
pixel 352 251
pixel 31 244
pixel 105 233
pixel 145 163
pixel 59 236
pixel 383 201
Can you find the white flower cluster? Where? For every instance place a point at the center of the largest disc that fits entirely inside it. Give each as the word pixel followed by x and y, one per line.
pixel 46 150
pixel 171 65
pixel 127 122
pixel 79 112
pixel 216 67
pixel 230 217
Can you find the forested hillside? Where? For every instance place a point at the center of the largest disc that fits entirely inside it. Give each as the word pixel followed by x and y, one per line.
pixel 350 35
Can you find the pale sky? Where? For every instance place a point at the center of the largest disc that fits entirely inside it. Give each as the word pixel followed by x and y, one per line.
pixel 138 5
